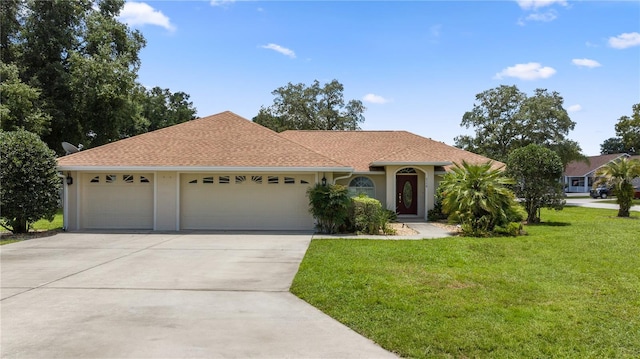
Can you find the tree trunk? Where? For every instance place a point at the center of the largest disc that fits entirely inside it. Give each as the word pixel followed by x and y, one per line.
pixel 19 226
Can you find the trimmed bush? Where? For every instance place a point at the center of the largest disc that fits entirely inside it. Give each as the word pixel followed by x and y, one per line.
pixel 329 205
pixel 368 216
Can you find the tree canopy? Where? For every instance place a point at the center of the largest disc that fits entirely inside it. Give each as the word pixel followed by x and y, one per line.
pixel 315 107
pixel 29 180
pixel 504 119
pixel 537 171
pixel 74 66
pixel 628 135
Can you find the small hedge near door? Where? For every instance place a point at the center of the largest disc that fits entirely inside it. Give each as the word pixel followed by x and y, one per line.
pixel 335 211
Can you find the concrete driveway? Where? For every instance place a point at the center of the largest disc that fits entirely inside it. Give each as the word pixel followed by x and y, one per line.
pixel 94 295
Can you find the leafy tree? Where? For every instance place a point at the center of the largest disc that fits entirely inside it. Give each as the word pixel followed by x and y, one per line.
pixel 29 180
pixel 506 119
pixel 163 108
pixel 478 197
pixel 329 205
pixel 85 63
pixel 619 175
pixel 301 107
pixel 613 145
pixel 9 27
pixel 537 171
pixel 19 104
pixel 628 129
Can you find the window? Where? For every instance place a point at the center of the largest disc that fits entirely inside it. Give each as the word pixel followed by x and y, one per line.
pixel 224 179
pixel 407 170
pixel 289 180
pixel 272 179
pixel 144 179
pixel 193 181
pixel 240 179
pixel 360 185
pixel 256 179
pixel 127 178
pixel 208 180
pixel 95 179
pixel 111 178
pixel 304 182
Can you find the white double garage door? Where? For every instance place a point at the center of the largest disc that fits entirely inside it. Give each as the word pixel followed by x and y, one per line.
pixel 205 201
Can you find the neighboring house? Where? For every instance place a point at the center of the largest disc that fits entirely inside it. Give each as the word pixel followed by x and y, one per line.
pixel 224 172
pixel 579 176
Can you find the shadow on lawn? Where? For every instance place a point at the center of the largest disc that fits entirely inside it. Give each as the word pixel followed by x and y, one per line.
pixel 550 224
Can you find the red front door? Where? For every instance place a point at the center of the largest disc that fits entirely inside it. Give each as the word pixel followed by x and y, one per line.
pixel 407 194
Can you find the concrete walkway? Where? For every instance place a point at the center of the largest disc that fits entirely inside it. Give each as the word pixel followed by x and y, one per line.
pixel 93 295
pixel 425 230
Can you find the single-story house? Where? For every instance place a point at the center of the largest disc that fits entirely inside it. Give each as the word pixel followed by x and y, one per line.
pixel 579 176
pixel 224 172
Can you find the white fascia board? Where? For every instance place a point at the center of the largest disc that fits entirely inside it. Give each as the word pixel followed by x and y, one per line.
pixel 369 172
pixel 411 163
pixel 202 169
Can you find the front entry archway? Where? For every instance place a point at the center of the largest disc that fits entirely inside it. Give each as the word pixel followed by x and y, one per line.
pixel 407 193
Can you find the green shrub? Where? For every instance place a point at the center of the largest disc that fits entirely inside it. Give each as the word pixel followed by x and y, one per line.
pixel 329 205
pixel 437 213
pixel 367 214
pixel 29 180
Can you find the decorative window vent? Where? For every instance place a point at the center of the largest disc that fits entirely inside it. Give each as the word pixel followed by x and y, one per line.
pixel 144 179
pixel 95 179
pixel 194 181
pixel 208 180
pixel 127 178
pixel 289 180
pixel 256 179
pixel 273 180
pixel 304 182
pixel 224 180
pixel 110 178
pixel 240 179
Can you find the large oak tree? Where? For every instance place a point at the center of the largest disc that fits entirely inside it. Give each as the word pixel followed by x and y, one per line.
pixel 315 107
pixel 504 119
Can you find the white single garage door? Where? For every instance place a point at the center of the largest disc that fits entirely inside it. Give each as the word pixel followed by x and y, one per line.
pixel 117 201
pixel 245 201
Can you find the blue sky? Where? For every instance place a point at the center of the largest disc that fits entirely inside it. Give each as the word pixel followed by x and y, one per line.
pixel 416 65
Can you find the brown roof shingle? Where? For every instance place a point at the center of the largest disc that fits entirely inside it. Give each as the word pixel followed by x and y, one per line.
pixel 222 140
pixel 362 149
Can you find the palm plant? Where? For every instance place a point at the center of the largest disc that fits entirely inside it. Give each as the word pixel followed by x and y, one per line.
pixel 619 175
pixel 478 198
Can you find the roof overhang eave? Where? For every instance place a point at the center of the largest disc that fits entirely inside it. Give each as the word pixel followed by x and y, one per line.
pixel 201 169
pixel 409 163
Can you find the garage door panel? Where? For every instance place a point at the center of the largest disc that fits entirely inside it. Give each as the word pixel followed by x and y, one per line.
pixel 246 204
pixel 117 201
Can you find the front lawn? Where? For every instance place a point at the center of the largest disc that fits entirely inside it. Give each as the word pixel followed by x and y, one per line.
pixel 38 229
pixel 571 288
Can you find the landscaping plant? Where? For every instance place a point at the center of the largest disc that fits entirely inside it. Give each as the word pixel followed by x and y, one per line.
pixel 477 197
pixel 329 205
pixel 537 171
pixel 619 175
pixel 29 179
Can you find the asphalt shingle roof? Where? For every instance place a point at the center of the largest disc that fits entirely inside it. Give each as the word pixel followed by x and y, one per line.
pixel 221 140
pixel 581 168
pixel 361 149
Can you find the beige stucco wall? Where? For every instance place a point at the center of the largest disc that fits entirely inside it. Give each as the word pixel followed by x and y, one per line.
pixel 378 182
pixel 166 201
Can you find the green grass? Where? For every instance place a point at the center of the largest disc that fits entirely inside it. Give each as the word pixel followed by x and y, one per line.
pixel 569 289
pixel 40 226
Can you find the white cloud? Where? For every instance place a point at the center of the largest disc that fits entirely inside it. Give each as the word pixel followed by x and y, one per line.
pixel 622 41
pixel 528 71
pixel 536 4
pixel 373 98
pixel 221 2
pixel 543 17
pixel 280 49
pixel 586 63
pixel 139 13
pixel 574 108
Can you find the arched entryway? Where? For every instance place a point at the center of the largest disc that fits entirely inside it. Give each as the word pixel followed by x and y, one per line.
pixel 407 191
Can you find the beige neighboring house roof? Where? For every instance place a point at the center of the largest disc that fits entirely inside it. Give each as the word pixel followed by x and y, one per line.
pixel 582 169
pixel 364 149
pixel 225 140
